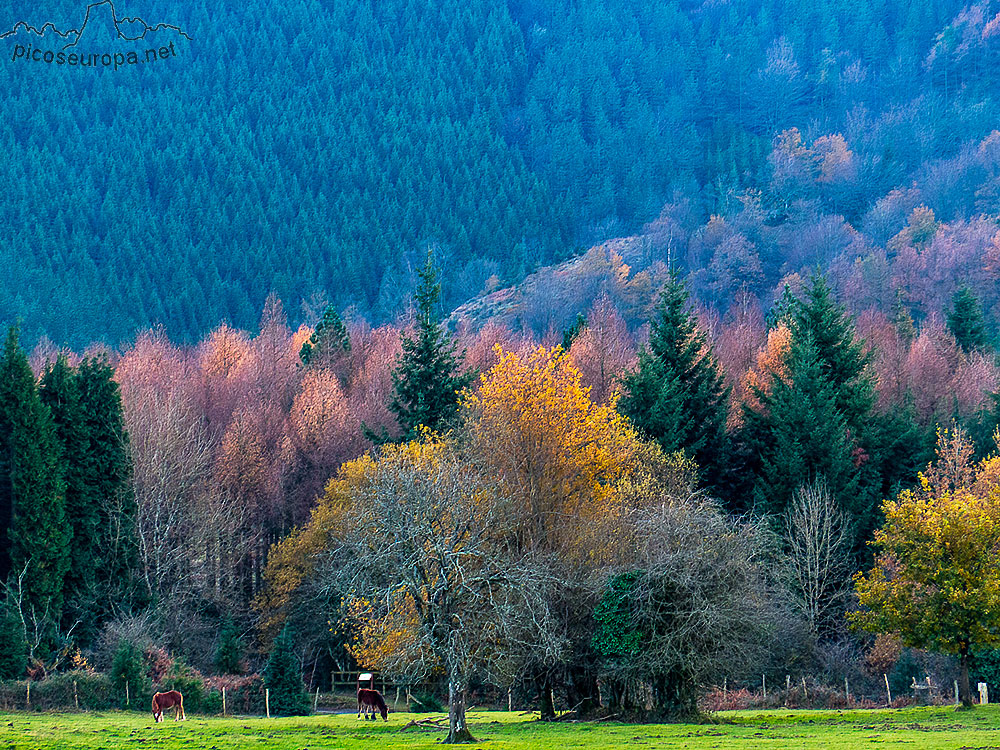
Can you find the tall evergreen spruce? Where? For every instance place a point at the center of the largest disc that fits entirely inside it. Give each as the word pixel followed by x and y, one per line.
pixel 799 435
pixel 329 341
pixel 886 448
pixel 842 358
pixel 676 396
pixel 965 321
pixel 109 475
pixel 58 390
pixel 283 677
pixel 34 487
pixel 897 447
pixel 426 381
pixel 819 420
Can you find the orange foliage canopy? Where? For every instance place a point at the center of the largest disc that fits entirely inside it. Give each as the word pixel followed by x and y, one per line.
pixel 770 362
pixel 563 458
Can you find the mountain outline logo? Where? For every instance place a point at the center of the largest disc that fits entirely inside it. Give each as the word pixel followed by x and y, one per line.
pixel 76 34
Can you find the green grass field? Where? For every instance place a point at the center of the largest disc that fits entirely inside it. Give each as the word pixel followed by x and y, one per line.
pixel 824 730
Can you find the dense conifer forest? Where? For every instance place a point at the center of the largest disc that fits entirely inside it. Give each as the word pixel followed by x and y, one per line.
pixel 316 149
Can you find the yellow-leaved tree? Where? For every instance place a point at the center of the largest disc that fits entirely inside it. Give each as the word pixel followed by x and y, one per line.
pixel 560 456
pixel 574 472
pixel 936 579
pixel 483 551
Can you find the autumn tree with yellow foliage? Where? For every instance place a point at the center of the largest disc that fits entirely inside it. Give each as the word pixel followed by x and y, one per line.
pixel 574 471
pixel 559 455
pixel 936 579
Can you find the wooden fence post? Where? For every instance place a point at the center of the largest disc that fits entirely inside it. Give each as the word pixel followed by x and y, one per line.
pixel 267 702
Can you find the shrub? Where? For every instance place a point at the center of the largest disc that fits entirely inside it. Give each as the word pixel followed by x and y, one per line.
pixel 158 663
pixel 986 667
pixel 905 672
pixel 421 703
pixel 211 702
pixel 229 654
pixel 129 682
pixel 189 683
pixel 283 677
pixel 55 693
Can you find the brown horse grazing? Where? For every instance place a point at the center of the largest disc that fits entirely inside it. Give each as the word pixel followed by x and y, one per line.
pixel 370 701
pixel 164 701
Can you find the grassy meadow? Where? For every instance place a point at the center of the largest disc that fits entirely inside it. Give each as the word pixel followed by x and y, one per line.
pixel 924 728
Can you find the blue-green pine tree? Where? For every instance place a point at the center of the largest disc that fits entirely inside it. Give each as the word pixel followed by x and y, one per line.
pixel 677 396
pixel 283 677
pixel 39 534
pixel 427 382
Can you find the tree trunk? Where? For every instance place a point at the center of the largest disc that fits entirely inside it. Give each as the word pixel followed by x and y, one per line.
pixel 547 708
pixel 964 690
pixel 458 730
pixel 674 696
pixel 584 695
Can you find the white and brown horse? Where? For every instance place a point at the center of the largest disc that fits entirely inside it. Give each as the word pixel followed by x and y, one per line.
pixel 165 701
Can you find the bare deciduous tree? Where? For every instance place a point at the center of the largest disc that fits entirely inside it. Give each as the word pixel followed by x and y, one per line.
pixel 818 538
pixel 441 590
pixel 694 604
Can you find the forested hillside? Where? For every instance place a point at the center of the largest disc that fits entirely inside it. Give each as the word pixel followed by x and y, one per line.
pixel 315 149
